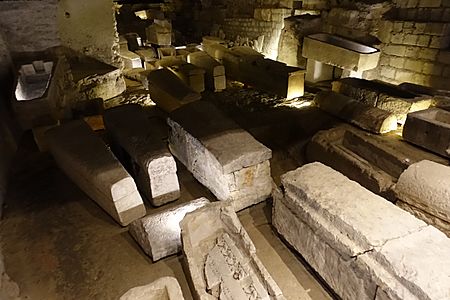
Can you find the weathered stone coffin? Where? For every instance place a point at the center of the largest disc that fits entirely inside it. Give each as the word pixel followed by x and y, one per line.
pixel 159 234
pixel 144 141
pixel 215 72
pixel 363 246
pixel 164 288
pixel 221 257
pixel 85 159
pixel 424 190
pixel 382 95
pixel 362 115
pixel 222 156
pixel 374 161
pixel 429 129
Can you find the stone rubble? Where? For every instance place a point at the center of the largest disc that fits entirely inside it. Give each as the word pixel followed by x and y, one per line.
pixel 221 257
pixel 222 156
pixel 424 190
pixel 85 159
pixel 164 288
pixel 159 233
pixel 154 167
pixel 362 245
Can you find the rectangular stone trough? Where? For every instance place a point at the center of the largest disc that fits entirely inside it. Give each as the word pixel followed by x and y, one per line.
pixel 167 90
pixel 429 129
pixel 340 52
pixel 373 161
pixel 215 72
pixel 87 160
pixel 385 96
pixel 221 257
pixel 363 246
pixel 153 166
pixel 222 156
pixel 424 190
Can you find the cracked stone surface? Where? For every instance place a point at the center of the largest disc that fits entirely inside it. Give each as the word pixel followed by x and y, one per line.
pixel 159 234
pixel 164 288
pixel 88 162
pixel 143 139
pixel 221 155
pixel 221 258
pixel 425 190
pixel 342 228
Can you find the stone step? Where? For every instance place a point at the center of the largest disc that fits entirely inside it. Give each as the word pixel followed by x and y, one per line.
pixel 87 160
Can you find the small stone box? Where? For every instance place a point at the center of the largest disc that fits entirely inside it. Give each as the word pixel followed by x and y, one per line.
pixel 429 129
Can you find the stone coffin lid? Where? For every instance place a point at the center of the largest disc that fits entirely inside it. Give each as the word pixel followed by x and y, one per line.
pixel 232 146
pixel 366 218
pixel 377 86
pixel 135 131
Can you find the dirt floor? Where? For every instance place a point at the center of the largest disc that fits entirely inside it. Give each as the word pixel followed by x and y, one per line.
pixel 58 244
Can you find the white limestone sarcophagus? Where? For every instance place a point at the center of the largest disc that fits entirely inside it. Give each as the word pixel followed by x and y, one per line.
pixel 221 257
pixel 222 156
pixel 362 245
pixel 424 190
pixel 153 166
pixel 89 163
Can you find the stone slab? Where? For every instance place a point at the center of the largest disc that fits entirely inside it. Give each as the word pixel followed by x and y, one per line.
pixel 144 141
pixel 167 90
pixel 382 95
pixel 85 159
pixel 364 116
pixel 164 288
pixel 221 258
pixel 429 129
pixel 215 72
pixel 341 228
pixel 159 234
pixel 221 155
pixel 426 185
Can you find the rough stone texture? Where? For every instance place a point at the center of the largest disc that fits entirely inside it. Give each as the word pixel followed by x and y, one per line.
pixel 382 95
pixel 340 52
pixel 192 76
pixel 167 90
pixel 164 288
pixel 9 290
pixel 154 167
pixel 90 164
pixel 215 72
pixel 89 28
pixel 291 39
pixel 429 129
pixel 159 234
pixel 373 161
pixel 362 115
pixel 425 187
pixel 221 155
pixel 207 230
pixel 375 247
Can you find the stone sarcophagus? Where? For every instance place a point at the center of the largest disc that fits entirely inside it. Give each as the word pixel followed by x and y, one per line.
pixel 221 257
pixel 222 156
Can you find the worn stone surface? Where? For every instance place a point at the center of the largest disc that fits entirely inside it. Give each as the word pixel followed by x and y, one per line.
pixel 90 164
pixel 164 288
pixel 221 155
pixel 429 129
pixel 382 95
pixel 364 116
pixel 159 234
pixel 167 90
pixel 362 241
pixel 215 72
pixel 144 141
pixel 221 258
pixel 192 76
pixel 425 185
